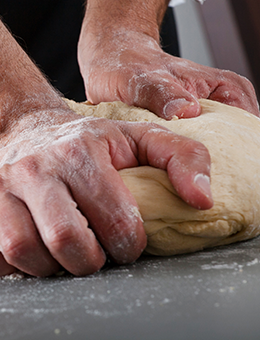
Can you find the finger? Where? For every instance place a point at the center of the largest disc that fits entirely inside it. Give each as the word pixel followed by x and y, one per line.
pixel 241 95
pixel 163 96
pixel 101 195
pixel 63 229
pixel 20 243
pixel 5 268
pixel 112 212
pixel 186 161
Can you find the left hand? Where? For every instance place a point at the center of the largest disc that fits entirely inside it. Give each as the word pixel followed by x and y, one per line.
pixel 58 175
pixel 131 67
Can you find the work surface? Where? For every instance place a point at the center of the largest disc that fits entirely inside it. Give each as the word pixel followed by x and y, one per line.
pixel 214 294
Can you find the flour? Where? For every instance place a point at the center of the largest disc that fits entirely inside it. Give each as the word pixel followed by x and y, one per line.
pixel 13 277
pixel 234 266
pixel 40 138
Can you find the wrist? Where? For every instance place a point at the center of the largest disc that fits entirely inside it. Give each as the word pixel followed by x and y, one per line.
pixel 106 18
pixel 23 89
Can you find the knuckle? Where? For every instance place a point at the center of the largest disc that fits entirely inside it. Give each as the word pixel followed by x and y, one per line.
pixel 26 167
pixel 78 152
pixel 78 148
pixel 192 148
pixel 14 249
pixel 59 236
pixel 238 79
pixel 73 153
pixel 73 149
pixel 202 87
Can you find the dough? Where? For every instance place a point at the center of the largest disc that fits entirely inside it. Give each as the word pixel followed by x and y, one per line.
pixel 232 137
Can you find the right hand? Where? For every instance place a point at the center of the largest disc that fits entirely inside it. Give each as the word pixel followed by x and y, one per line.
pixel 63 203
pixel 131 67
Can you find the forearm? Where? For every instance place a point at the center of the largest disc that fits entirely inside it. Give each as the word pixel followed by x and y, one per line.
pixel 23 89
pixel 105 17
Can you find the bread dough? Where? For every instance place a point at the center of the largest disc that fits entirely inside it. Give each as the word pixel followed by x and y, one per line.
pixel 232 137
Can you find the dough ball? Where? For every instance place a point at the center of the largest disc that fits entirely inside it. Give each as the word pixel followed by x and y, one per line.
pixel 232 137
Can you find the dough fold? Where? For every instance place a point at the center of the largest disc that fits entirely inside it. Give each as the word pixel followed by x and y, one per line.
pixel 232 137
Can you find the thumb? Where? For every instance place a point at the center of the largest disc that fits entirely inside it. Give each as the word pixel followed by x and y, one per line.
pixel 187 161
pixel 163 97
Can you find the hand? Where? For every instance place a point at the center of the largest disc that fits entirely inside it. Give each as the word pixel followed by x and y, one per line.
pixel 131 67
pixel 63 202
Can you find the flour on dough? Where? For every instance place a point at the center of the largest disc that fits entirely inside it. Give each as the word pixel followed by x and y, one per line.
pixel 232 137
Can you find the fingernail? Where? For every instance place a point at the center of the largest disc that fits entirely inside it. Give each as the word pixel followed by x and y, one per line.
pixel 203 182
pixel 175 107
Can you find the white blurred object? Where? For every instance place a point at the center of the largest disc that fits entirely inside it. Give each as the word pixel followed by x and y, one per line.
pixel 193 39
pixel 174 3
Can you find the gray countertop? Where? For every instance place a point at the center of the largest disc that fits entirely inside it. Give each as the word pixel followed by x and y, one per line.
pixel 214 294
